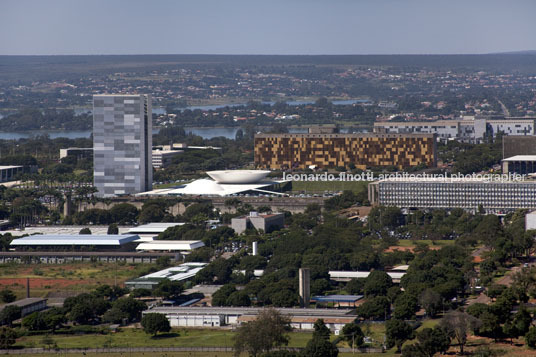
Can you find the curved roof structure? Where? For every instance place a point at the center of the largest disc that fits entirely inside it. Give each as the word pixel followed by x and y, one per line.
pixel 238 176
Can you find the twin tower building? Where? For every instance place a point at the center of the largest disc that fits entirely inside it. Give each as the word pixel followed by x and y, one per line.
pixel 122 144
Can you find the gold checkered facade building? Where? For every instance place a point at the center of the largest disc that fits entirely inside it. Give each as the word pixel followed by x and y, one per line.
pixel 299 151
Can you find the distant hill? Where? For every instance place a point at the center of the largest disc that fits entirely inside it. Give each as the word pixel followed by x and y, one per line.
pixel 31 68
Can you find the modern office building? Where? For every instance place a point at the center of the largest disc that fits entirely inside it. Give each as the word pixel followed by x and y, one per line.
pixel 79 153
pixel 519 164
pixel 471 130
pixel 300 151
pixel 518 145
pixel 497 197
pixel 162 158
pixel 265 222
pixel 8 173
pixel 122 143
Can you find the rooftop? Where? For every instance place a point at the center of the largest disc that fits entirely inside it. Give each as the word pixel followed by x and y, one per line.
pixel 337 298
pixel 521 158
pixel 171 245
pixel 153 227
pixel 248 311
pixel 79 239
pixel 10 167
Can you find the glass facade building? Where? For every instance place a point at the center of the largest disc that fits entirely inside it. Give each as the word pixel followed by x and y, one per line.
pixel 495 197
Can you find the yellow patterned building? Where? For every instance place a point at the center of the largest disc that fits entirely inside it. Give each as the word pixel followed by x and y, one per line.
pixel 299 151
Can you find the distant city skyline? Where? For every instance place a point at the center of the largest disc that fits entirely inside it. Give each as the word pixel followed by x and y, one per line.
pixel 308 27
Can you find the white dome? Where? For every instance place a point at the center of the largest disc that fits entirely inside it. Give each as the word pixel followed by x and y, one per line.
pixel 238 176
pixel 203 186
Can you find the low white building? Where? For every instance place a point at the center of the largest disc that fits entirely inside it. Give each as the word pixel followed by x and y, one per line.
pixel 349 275
pixel 300 319
pixel 148 232
pixel 182 246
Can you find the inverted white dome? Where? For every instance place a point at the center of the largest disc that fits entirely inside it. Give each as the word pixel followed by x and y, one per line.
pixel 238 176
pixel 204 186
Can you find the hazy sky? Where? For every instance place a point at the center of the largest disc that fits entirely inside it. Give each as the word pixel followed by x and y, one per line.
pixel 266 26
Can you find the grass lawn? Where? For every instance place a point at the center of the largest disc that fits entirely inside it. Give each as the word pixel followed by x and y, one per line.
pixel 411 243
pixel 321 186
pixel 130 337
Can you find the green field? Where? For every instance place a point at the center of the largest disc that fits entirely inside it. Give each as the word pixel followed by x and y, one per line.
pixel 333 186
pixel 132 337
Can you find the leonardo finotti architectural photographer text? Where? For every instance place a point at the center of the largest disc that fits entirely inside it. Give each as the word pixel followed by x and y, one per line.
pixel 403 176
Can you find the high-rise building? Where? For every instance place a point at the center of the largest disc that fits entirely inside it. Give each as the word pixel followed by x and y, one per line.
pixel 122 143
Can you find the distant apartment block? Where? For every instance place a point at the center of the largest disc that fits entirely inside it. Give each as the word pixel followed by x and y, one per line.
pixel 428 193
pixel 122 142
pixel 264 222
pixel 466 130
pixel 300 151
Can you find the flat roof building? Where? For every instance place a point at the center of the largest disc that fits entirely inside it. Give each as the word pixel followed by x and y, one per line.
pixel 514 145
pixel 77 152
pixel 182 272
pixel 28 305
pixel 519 164
pixel 148 232
pixel 300 151
pixel 53 241
pixel 182 246
pixel 122 144
pixel 8 173
pixel 162 158
pixel 300 319
pixel 265 222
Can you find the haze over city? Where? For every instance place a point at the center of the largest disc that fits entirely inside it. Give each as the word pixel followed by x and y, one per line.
pixel 53 27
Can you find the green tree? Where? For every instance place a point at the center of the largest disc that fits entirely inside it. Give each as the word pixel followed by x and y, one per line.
pixel 459 324
pixel 320 345
pixel 377 284
pixel 429 342
pixel 405 306
pixel 8 337
pixel 168 289
pixel 9 314
pixel 431 301
pixel 85 231
pixel 220 297
pixel 154 323
pixel 130 306
pixel 530 337
pixel 268 331
pixel 7 296
pixel 113 229
pixel 397 332
pixel 376 308
pixel 352 334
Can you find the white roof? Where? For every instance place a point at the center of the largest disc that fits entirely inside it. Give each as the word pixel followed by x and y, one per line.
pixel 181 272
pixel 521 158
pixel 361 274
pixel 79 239
pixel 180 245
pixel 238 176
pixel 10 167
pixel 209 187
pixel 153 228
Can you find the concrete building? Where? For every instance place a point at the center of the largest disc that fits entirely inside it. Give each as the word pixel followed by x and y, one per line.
pixel 349 275
pixel 76 242
pixel 304 275
pixel 300 319
pixel 519 164
pixel 518 145
pixel 300 151
pixel 264 222
pixel 162 158
pixel 77 152
pixel 28 305
pixel 499 197
pixel 8 173
pixel 122 143
pixel 467 130
pixel 179 246
pixel 530 220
